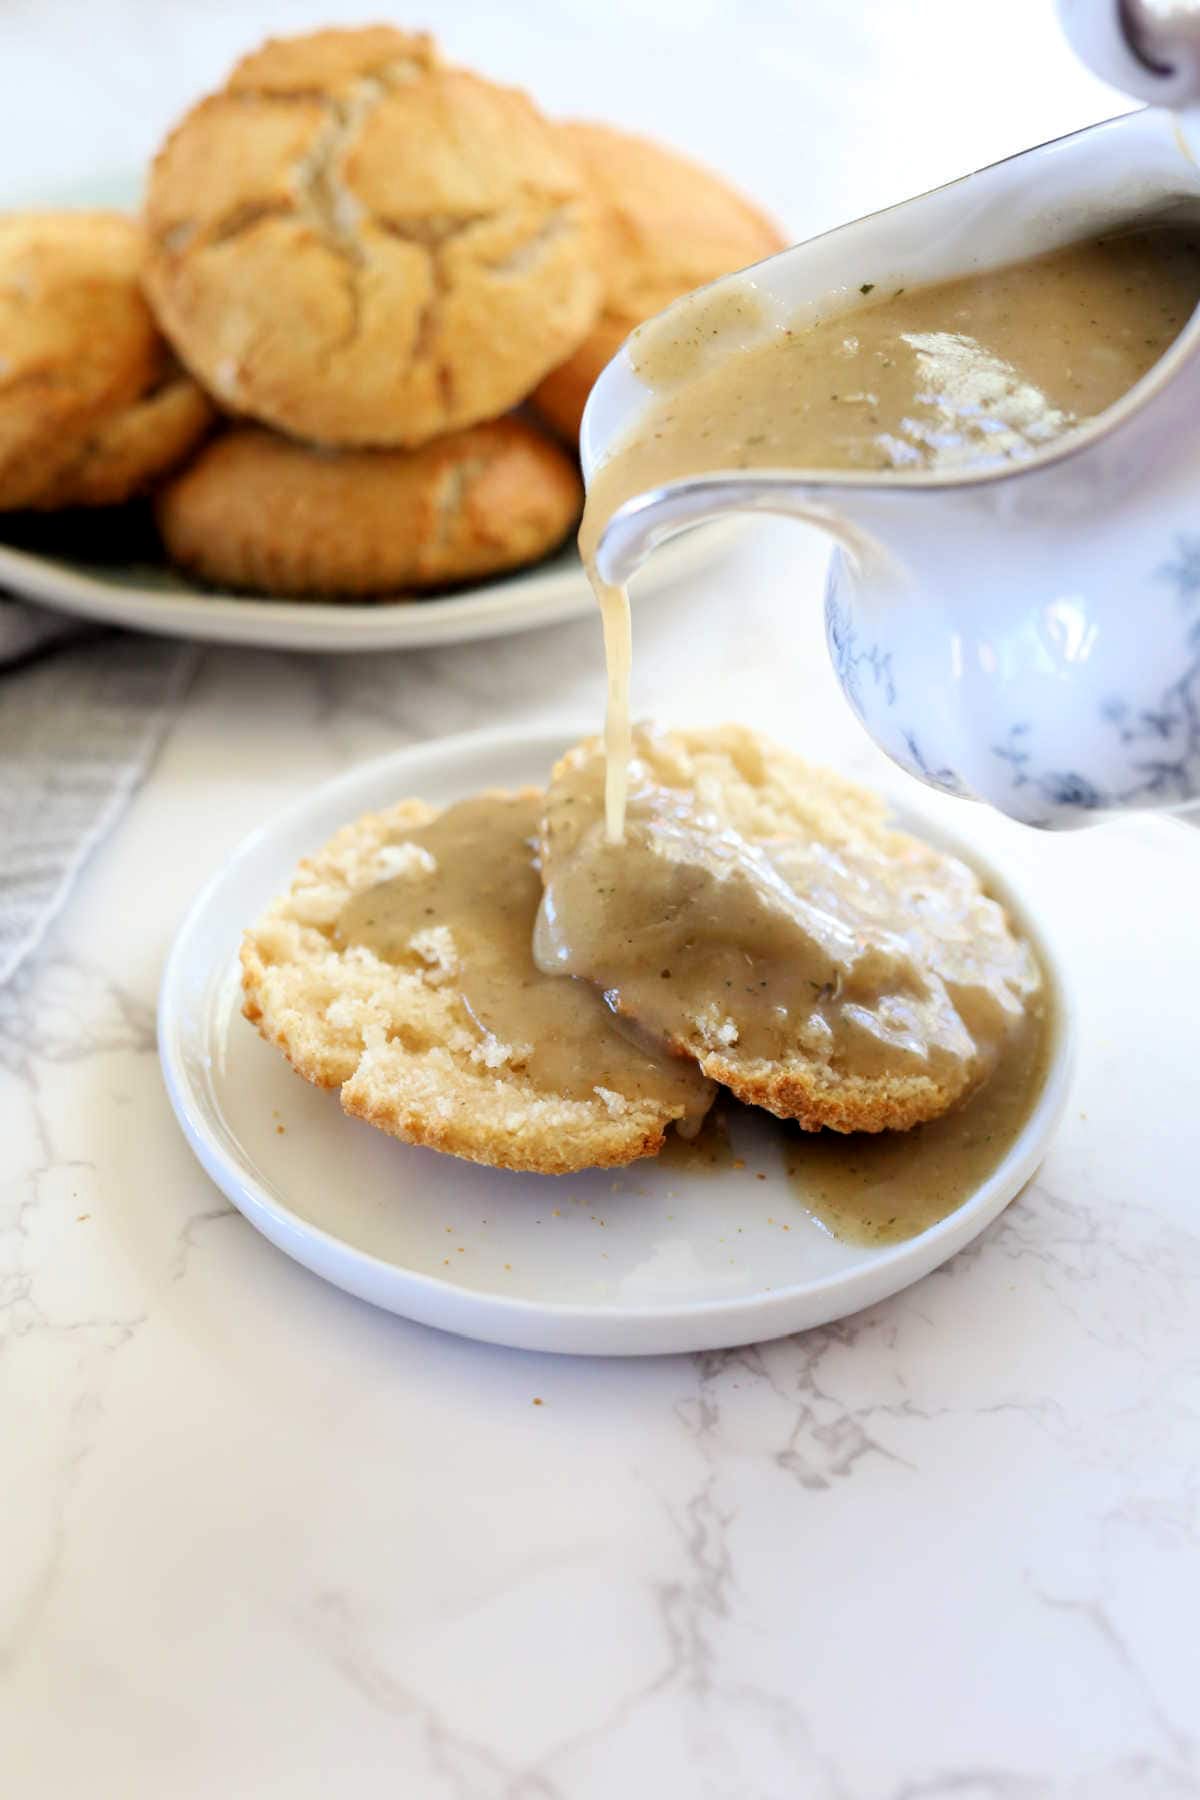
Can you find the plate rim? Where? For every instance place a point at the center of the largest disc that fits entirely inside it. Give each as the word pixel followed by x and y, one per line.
pixel 882 1277
pixel 545 593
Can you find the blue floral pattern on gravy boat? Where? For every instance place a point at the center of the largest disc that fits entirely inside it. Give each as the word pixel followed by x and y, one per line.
pixel 1158 737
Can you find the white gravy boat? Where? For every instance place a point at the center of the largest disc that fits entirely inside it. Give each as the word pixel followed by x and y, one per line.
pixel 1028 635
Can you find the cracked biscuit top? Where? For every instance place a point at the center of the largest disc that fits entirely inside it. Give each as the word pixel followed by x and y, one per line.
pixel 362 246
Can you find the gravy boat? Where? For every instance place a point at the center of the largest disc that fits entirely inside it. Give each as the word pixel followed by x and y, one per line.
pixel 1029 634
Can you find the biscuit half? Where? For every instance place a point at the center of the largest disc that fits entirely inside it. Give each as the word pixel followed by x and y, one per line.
pixel 917 976
pixel 261 512
pixel 396 1036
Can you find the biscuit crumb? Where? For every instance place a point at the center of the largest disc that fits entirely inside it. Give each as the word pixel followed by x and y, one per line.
pixel 491 1052
pixel 343 1013
pixel 392 860
pixel 436 947
pixel 715 1029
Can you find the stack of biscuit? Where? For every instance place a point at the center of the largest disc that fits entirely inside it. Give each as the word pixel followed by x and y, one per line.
pixel 379 277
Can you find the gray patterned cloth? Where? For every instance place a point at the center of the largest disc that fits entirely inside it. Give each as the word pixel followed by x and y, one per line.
pixel 82 713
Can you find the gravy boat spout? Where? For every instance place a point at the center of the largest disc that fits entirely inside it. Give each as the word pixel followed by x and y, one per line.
pixel 1024 632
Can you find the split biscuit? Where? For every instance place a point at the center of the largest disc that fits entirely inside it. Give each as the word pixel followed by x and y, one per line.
pixel 667 226
pixel 763 917
pixel 396 1034
pixel 261 512
pixel 362 246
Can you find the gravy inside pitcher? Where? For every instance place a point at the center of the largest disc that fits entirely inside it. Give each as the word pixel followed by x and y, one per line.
pixel 964 374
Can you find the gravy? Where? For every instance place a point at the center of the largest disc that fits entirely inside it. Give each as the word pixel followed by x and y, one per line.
pixel 470 905
pixel 967 374
pixel 872 957
pixel 882 1187
pixel 467 908
pixel 879 1188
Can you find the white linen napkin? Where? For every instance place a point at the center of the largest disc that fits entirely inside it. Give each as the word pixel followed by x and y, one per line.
pixel 82 713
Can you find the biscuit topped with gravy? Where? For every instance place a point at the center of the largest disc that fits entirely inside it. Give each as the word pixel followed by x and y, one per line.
pixel 398 968
pixel 763 917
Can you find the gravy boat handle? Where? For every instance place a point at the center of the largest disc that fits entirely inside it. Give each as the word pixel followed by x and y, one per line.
pixel 1143 47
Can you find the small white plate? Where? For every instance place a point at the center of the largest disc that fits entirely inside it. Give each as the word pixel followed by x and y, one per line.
pixel 649 1260
pixel 145 594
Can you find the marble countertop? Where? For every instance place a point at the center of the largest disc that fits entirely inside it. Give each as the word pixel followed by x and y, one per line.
pixel 260 1540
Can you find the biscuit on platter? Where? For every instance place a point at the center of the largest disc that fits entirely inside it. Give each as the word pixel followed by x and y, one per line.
pixel 359 245
pixel 261 512
pixel 667 226
pixel 78 344
pixel 127 451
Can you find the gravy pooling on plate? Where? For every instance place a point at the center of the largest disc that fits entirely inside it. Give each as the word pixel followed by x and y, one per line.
pixel 885 1186
pixel 882 1187
pixel 961 375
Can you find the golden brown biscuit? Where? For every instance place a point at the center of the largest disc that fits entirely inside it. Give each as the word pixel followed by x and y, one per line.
pixel 259 511
pixel 397 1036
pixel 77 341
pixel 667 226
pixel 359 245
pixel 814 960
pixel 128 450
